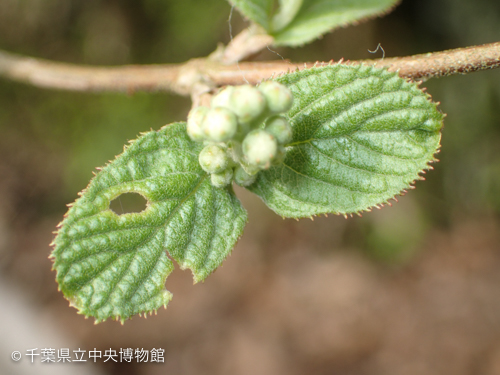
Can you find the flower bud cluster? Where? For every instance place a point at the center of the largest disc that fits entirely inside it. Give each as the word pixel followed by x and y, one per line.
pixel 242 131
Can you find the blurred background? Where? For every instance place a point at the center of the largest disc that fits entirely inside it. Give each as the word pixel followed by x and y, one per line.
pixel 410 289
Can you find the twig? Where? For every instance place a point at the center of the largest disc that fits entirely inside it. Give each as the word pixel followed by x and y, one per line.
pixel 446 63
pixel 250 41
pixel 425 66
pixel 183 78
pixel 56 75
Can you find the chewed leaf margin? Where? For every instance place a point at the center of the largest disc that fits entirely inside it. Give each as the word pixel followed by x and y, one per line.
pixel 111 265
pixel 361 136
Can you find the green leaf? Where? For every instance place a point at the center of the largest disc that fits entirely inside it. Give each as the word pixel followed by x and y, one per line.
pixel 111 265
pixel 361 135
pixel 259 11
pixel 287 11
pixel 296 22
pixel 317 17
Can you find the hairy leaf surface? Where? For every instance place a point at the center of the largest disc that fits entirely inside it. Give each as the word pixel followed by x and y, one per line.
pixel 361 135
pixel 111 265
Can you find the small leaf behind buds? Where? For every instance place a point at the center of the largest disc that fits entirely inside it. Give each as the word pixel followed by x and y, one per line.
pixel 296 22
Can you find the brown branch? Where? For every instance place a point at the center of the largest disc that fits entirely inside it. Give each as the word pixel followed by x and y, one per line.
pixel 446 63
pixel 184 78
pixel 56 75
pixel 425 66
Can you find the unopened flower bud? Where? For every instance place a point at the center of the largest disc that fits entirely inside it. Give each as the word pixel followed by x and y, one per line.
pixel 280 128
pixel 251 169
pixel 234 151
pixel 219 125
pixel 222 179
pixel 242 178
pixel 222 98
pixel 279 97
pixel 213 159
pixel 260 148
pixel 247 102
pixel 194 121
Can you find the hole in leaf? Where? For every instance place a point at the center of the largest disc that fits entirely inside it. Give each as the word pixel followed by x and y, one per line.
pixel 127 203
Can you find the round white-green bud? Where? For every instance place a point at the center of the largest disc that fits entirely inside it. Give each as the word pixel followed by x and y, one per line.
pixel 280 128
pixel 250 169
pixel 279 97
pixel 194 121
pixel 213 159
pixel 219 124
pixel 247 102
pixel 242 178
pixel 260 148
pixel 222 98
pixel 222 179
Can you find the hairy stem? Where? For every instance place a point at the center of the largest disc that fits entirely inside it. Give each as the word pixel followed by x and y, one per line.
pixel 185 78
